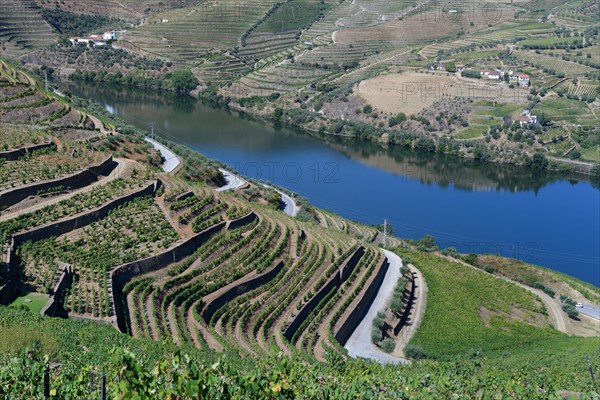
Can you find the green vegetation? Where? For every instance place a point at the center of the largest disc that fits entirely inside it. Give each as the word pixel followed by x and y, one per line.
pixel 70 24
pixel 33 302
pixel 468 309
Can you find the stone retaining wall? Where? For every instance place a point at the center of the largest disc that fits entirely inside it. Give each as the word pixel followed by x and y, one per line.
pixel 358 314
pixel 240 289
pixel 15 154
pixel 126 272
pixel 8 293
pixel 78 180
pixel 68 225
pixel 334 283
pixel 64 281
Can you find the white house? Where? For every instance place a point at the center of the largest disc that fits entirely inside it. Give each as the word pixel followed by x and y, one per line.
pixel 523 80
pixel 527 119
pixel 164 20
pixel 110 35
pixel 489 74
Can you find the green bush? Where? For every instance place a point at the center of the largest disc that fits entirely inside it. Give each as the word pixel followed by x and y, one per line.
pixel 388 345
pixel 413 351
pixel 375 336
pixel 570 310
pixel 378 323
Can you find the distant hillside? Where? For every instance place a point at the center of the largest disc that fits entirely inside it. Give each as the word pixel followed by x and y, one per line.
pixel 22 27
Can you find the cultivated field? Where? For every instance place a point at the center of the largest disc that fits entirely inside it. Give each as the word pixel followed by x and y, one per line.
pixel 413 92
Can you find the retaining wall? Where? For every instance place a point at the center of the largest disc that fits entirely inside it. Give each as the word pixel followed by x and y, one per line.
pixel 8 293
pixel 408 307
pixel 71 182
pixel 124 273
pixel 64 281
pixel 358 314
pixel 15 154
pixel 68 225
pixel 240 289
pixel 334 283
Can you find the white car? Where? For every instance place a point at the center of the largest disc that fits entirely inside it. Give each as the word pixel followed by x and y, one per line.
pixel 579 305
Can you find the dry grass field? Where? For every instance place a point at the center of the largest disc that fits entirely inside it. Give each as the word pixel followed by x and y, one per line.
pixel 413 92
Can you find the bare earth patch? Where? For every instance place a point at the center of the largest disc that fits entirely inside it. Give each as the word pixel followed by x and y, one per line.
pixel 413 92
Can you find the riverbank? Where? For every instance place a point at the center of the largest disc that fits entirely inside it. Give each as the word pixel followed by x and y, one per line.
pixel 385 139
pixel 402 186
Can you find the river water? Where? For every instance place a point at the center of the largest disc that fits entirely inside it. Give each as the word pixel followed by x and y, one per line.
pixel 476 207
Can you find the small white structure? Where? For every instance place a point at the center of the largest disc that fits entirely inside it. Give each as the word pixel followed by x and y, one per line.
pixel 164 21
pixel 489 74
pixel 523 80
pixel 110 35
pixel 98 40
pixel 526 119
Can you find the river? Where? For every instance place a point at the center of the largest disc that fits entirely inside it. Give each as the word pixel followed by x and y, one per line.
pixel 476 207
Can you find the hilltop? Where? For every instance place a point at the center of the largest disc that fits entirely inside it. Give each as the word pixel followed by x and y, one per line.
pixel 148 265
pixel 493 81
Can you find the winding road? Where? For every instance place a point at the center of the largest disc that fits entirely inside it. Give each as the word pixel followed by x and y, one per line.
pixel 171 159
pixel 290 207
pixel 233 181
pixel 360 344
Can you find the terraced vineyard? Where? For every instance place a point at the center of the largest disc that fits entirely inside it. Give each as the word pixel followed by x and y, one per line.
pixel 23 27
pixel 192 32
pixel 244 287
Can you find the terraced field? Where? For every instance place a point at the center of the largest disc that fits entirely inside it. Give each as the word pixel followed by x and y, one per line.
pixel 192 32
pixel 254 287
pixel 23 27
pixel 160 260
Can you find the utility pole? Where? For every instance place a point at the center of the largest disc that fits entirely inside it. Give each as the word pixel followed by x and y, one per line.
pixel 384 232
pixel 152 130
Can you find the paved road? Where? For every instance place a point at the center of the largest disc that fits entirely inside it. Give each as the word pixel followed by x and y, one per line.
pixel 290 206
pixel 171 159
pixel 233 181
pixel 359 344
pixel 590 311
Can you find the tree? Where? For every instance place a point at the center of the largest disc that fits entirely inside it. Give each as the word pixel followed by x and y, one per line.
pixel 538 162
pixel 184 81
pixel 427 243
pixel 450 67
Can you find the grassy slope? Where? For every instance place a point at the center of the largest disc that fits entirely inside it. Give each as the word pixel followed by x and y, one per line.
pixel 452 323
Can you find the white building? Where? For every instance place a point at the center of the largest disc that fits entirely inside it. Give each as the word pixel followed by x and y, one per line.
pixel 489 74
pixel 527 119
pixel 110 35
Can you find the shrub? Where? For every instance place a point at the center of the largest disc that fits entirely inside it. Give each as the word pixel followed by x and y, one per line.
pixel 378 323
pixel 396 304
pixel 375 336
pixel 489 269
pixel 388 345
pixel 570 310
pixel 415 352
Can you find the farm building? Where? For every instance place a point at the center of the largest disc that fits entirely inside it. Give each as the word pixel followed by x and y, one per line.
pixel 527 119
pixel 489 74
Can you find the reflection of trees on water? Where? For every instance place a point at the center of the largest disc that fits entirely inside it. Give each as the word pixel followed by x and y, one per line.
pixel 445 170
pixel 439 169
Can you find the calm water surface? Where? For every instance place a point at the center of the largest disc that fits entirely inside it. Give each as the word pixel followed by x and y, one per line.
pixel 548 220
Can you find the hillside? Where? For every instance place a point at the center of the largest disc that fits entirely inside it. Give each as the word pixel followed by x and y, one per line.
pixel 159 264
pixel 401 74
